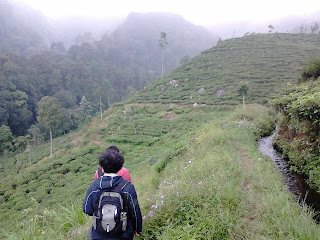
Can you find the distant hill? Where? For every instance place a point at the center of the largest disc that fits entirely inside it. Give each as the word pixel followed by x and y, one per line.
pixel 78 30
pixel 23 31
pixel 267 61
pixel 133 48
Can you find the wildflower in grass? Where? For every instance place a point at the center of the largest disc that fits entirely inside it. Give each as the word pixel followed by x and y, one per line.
pixel 150 213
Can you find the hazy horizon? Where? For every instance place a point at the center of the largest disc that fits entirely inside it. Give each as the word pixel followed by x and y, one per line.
pixel 200 12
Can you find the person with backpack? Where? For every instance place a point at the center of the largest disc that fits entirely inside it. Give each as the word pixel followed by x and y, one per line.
pixel 112 202
pixel 122 172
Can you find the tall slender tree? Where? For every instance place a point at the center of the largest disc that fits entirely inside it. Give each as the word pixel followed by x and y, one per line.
pixel 162 44
pixel 243 91
pixel 49 115
pixel 99 93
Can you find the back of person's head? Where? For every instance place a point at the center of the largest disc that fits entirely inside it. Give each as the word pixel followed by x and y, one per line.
pixel 113 148
pixel 111 161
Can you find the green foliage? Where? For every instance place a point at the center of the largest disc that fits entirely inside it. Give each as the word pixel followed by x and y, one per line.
pixel 85 109
pixel 6 138
pixel 300 128
pixel 49 112
pixel 243 89
pixel 311 70
pixel 256 118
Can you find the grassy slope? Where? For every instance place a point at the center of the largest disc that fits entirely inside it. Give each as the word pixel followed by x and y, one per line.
pixel 222 188
pixel 267 61
pixel 64 179
pixel 197 172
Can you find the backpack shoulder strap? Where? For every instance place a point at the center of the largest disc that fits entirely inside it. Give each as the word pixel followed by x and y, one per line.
pixel 100 173
pixel 120 186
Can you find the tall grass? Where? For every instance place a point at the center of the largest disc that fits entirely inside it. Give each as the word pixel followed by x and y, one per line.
pixel 223 188
pixel 65 223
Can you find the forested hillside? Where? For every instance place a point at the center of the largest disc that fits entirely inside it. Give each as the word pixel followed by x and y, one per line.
pixel 99 72
pixel 263 62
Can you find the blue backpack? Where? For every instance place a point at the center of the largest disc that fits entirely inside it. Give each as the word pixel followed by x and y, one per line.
pixel 111 210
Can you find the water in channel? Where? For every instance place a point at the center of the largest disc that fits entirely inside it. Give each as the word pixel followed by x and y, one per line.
pixel 295 182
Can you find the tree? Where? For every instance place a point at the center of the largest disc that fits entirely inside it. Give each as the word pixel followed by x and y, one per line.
pixel 28 138
pixel 270 28
pixel 67 123
pixel 20 143
pixel 243 91
pixel 314 28
pixel 58 47
pixel 109 91
pixel 162 44
pixel 85 109
pixel 99 93
pixel 66 99
pixel 6 138
pixel 36 136
pixel 49 115
pixel 19 118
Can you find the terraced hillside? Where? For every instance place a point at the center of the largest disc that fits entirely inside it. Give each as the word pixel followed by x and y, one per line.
pixel 266 61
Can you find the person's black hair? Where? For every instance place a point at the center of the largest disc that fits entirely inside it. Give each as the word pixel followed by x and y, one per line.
pixel 111 161
pixel 113 148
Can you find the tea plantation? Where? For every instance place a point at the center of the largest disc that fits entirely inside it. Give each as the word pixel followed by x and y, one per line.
pixel 266 61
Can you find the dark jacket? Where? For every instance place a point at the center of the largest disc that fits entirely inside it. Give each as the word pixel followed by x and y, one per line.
pixel 134 214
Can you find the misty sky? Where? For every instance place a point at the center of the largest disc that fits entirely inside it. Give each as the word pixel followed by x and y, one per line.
pixel 201 12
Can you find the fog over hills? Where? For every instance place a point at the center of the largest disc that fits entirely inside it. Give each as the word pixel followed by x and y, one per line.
pixel 288 24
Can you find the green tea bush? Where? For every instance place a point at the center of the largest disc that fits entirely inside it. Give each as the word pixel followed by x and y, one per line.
pixel 299 127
